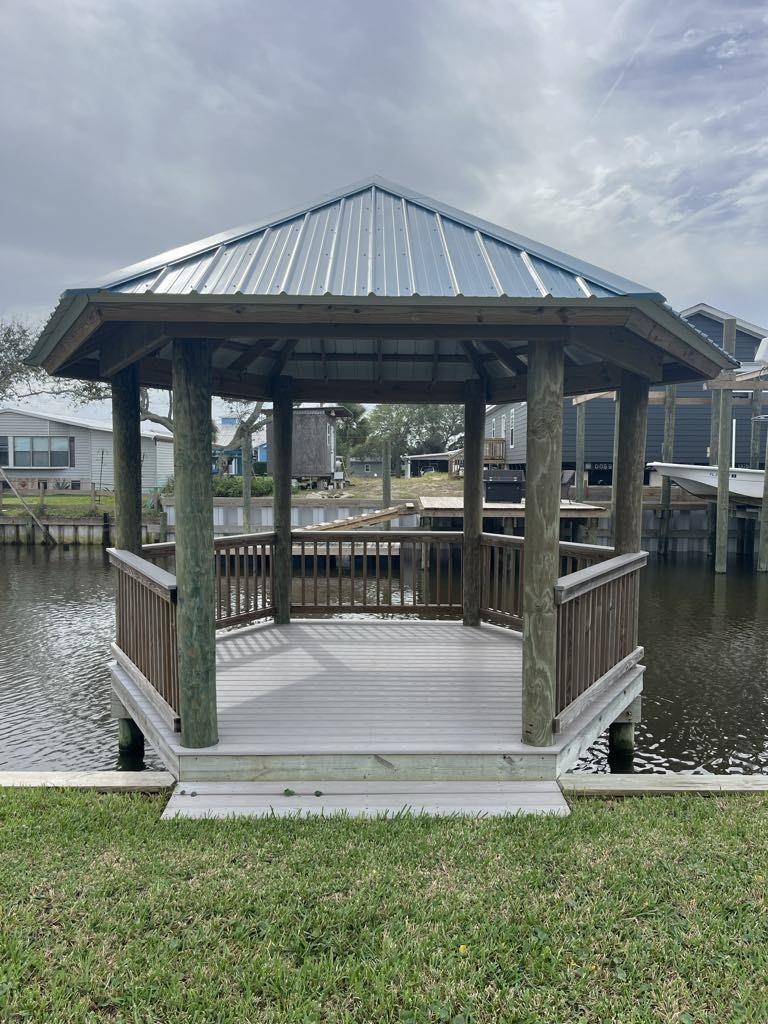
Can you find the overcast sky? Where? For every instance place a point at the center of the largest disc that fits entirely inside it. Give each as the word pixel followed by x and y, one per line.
pixel 633 135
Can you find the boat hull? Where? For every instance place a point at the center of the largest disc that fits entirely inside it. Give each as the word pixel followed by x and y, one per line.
pixel 743 484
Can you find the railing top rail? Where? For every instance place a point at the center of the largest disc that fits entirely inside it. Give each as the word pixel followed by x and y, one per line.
pixel 601 551
pixel 161 582
pixel 501 540
pixel 581 582
pixel 241 539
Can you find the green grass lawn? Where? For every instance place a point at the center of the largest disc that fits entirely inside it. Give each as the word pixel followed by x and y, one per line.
pixel 71 505
pixel 628 911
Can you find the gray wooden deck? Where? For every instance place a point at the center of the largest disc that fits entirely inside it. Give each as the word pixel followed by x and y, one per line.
pixel 349 700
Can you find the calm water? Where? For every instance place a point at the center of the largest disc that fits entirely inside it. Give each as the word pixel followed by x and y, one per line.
pixel 706 689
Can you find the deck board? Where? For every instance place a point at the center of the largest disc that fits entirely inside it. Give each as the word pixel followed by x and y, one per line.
pixel 371 799
pixel 368 686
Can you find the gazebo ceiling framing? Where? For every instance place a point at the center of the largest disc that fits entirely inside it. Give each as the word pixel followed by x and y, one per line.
pixel 373 294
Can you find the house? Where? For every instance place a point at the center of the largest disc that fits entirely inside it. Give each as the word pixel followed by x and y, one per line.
pixel 692 420
pixel 70 453
pixel 314 442
pixel 365 465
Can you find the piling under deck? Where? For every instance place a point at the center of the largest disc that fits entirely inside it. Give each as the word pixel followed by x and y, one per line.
pixel 352 699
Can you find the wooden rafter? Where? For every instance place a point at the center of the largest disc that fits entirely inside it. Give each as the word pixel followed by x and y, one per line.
pixel 505 356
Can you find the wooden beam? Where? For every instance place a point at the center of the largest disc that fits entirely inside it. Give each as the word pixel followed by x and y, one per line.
pixel 474 443
pixel 725 458
pixel 282 422
pixel 85 326
pixel 542 536
pixel 126 441
pixel 250 355
pixel 622 349
pixel 630 465
pixel 475 359
pixel 647 329
pixel 281 358
pixel 505 356
pixel 667 455
pixel 195 614
pixel 134 343
pixel 581 444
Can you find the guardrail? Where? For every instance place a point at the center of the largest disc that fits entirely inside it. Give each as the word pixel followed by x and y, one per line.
pixel 393 572
pixel 146 624
pixel 596 624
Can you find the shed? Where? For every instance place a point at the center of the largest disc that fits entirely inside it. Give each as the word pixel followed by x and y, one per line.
pixel 314 442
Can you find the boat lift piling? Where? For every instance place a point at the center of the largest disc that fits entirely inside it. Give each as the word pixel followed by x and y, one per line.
pixel 725 457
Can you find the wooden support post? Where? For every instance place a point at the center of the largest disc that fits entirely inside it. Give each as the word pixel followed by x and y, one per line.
pixel 762 551
pixel 724 458
pixel 667 455
pixel 628 512
pixel 474 441
pixel 195 616
pixel 130 741
pixel 542 535
pixel 581 446
pixel 616 416
pixel 714 440
pixel 247 456
pixel 628 472
pixel 126 439
pixel 92 508
pixel 386 477
pixel 755 406
pixel 283 462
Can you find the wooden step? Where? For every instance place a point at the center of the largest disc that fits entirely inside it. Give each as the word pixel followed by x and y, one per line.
pixel 363 799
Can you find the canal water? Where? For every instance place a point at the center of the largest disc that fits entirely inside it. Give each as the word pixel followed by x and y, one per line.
pixel 705 705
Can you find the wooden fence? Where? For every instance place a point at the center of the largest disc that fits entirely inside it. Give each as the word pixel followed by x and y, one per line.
pixel 596 623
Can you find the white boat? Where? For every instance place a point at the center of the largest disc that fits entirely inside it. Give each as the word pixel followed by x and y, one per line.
pixel 743 484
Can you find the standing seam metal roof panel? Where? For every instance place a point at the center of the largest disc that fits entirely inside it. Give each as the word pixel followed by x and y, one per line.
pixel 372 239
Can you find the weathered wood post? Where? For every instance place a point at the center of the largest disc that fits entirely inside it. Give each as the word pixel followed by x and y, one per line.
pixel 474 440
pixel 714 441
pixel 724 458
pixel 542 539
pixel 581 447
pixel 386 477
pixel 247 456
pixel 667 455
pixel 755 407
pixel 616 417
pixel 282 436
pixel 126 435
pixel 762 551
pixel 195 616
pixel 628 529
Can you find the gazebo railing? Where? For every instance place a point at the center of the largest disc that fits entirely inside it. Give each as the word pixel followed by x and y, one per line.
pixel 387 572
pixel 391 572
pixel 596 625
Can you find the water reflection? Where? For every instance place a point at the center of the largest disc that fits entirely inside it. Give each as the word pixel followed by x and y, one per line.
pixel 705 704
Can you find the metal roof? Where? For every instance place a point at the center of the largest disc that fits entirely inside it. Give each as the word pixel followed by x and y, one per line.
pixel 372 238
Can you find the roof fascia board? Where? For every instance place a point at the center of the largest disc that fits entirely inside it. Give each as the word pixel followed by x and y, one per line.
pixel 721 316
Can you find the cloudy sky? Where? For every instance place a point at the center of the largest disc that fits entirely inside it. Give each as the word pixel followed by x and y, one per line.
pixel 633 135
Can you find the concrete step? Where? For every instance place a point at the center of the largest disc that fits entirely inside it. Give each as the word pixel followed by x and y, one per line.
pixel 363 799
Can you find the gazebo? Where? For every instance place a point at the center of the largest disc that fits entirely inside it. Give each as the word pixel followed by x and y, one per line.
pixel 374 294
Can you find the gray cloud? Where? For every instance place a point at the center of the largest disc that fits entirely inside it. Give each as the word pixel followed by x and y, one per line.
pixel 633 136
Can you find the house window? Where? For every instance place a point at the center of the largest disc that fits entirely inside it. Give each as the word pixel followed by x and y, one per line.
pixel 503 427
pixel 493 427
pixel 511 428
pixel 41 452
pixel 4 451
pixel 367 468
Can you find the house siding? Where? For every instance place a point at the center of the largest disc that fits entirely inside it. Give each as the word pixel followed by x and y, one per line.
pixel 517 413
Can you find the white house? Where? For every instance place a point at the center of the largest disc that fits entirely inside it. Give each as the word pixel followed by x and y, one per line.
pixel 69 453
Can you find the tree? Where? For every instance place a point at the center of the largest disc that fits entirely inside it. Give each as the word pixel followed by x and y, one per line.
pixel 412 429
pixel 352 431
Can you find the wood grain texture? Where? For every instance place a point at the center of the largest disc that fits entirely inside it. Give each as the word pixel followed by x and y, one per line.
pixel 126 439
pixel 661 785
pixel 101 782
pixel 283 441
pixel 630 464
pixel 542 557
pixel 195 611
pixel 474 435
